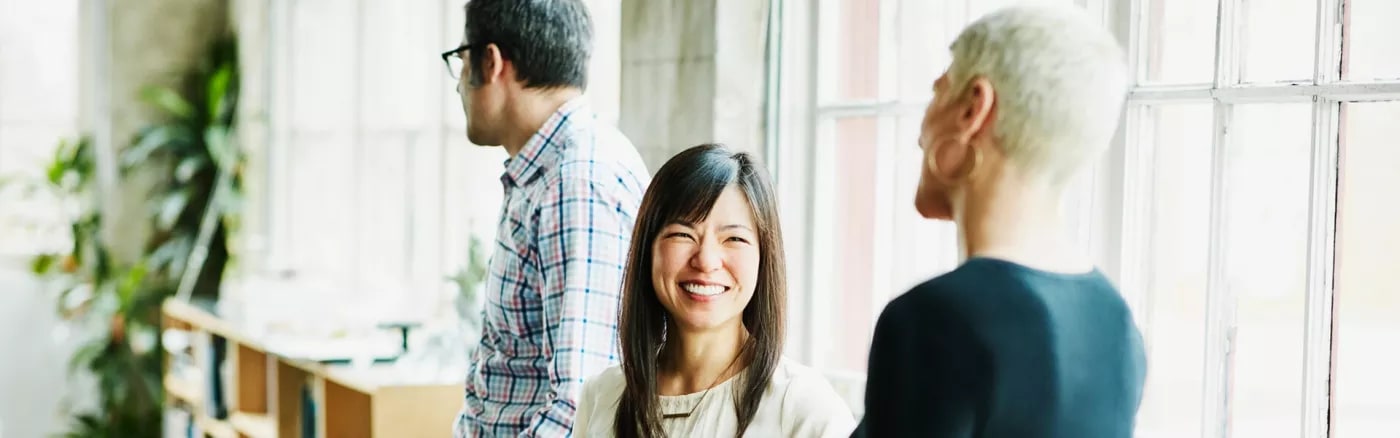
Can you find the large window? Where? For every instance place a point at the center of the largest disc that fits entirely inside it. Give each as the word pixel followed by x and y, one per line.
pixel 1246 210
pixel 1255 229
pixel 876 61
pixel 38 106
pixel 364 184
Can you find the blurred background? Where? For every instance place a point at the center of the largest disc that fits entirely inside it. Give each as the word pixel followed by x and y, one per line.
pixel 296 174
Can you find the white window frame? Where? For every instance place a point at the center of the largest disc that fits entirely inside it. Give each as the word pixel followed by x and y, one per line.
pixel 447 199
pixel 1119 207
pixel 88 31
pixel 1326 92
pixel 799 165
pixel 434 246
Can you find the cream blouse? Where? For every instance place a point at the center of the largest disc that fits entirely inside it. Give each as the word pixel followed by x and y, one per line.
pixel 799 402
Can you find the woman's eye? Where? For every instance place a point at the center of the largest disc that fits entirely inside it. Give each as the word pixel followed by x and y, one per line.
pixel 680 235
pixel 737 239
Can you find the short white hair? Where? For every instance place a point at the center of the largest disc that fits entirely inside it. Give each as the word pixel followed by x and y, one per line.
pixel 1060 82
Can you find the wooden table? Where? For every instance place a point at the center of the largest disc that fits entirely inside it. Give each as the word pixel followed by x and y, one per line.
pixel 264 390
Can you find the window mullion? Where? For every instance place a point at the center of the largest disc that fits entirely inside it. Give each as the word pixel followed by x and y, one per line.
pixel 1220 302
pixel 1136 190
pixel 817 262
pixel 1226 42
pixel 359 152
pixel 1328 61
pixel 1322 208
pixel 887 49
pixel 869 108
pixel 1137 40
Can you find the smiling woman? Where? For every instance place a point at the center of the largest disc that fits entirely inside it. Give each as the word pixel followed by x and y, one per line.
pixel 702 326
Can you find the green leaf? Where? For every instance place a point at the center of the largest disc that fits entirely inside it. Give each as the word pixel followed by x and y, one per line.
pixel 218 89
pixel 167 100
pixel 74 299
pixel 189 167
pixel 216 138
pixel 55 172
pixel 153 139
pixel 170 253
pixel 170 209
pixel 84 355
pixel 41 264
pixel 129 286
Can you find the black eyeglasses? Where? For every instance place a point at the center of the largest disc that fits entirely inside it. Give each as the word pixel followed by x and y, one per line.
pixel 453 59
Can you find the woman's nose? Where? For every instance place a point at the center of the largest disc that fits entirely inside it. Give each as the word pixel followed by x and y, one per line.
pixel 707 256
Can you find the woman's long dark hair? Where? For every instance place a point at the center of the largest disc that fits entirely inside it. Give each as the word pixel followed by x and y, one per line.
pixel 684 190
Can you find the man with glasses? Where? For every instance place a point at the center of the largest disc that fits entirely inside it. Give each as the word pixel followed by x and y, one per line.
pixel 572 188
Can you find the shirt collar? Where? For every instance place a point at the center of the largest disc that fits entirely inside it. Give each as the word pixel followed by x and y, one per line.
pixel 533 155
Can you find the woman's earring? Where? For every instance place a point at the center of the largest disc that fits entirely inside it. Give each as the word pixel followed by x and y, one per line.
pixel 932 162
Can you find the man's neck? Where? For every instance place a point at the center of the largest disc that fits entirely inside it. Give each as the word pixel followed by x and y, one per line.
pixel 694 361
pixel 529 111
pixel 1017 220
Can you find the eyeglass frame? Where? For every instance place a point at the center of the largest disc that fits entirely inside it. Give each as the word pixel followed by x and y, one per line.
pixel 458 53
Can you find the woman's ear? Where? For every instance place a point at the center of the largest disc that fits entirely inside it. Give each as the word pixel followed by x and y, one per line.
pixel 980 108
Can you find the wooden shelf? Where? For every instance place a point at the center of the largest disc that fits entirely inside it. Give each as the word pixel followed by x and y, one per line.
pixel 179 389
pixel 254 425
pixel 215 428
pixel 265 388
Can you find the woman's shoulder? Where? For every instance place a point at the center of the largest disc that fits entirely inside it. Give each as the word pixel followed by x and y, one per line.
pixel 793 378
pixel 610 378
pixel 597 403
pixel 808 404
pixel 788 371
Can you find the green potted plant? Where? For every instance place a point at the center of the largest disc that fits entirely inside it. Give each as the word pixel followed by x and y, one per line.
pixel 116 307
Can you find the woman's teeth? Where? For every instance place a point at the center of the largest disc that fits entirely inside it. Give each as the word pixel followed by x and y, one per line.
pixel 706 290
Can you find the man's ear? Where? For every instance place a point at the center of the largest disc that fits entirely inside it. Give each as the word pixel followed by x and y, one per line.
pixel 492 64
pixel 980 107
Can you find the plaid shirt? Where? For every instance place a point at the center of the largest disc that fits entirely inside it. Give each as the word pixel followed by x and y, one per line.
pixel 554 289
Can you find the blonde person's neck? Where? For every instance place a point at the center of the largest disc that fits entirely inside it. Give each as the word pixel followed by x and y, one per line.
pixel 1018 220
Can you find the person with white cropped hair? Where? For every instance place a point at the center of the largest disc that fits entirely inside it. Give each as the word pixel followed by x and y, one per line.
pixel 1026 338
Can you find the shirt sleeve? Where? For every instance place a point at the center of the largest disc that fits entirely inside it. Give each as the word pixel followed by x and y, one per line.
pixel 919 381
pixel 582 244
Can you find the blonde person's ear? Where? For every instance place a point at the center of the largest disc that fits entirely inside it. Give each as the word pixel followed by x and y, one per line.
pixel 976 117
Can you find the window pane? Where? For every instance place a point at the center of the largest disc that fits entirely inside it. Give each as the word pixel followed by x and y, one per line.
pixel 1180 41
pixel 38 106
pixel 859 38
pixel 30 222
pixel 39 52
pixel 383 61
pixel 1266 211
pixel 382 210
pixel 852 216
pixel 1179 137
pixel 320 64
pixel 1368 292
pixel 319 208
pixel 922 248
pixel 1371 39
pixel 1277 39
pixel 925 30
